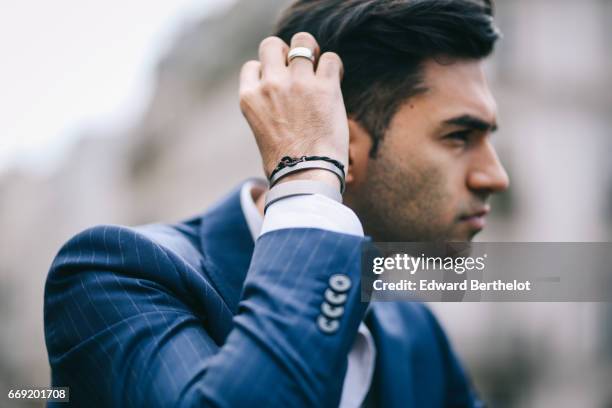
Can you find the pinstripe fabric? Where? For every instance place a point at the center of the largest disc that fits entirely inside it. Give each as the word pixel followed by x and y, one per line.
pixel 194 314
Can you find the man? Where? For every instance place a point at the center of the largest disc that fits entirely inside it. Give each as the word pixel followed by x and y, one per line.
pixel 234 308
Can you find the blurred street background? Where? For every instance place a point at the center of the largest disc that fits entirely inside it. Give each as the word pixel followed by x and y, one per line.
pixel 131 125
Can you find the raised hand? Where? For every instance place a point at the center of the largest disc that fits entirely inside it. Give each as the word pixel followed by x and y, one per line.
pixel 295 108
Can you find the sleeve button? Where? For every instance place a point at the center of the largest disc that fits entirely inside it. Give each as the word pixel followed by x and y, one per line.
pixel 340 283
pixel 333 312
pixel 327 326
pixel 333 298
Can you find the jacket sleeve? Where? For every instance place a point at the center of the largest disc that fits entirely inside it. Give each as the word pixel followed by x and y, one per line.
pixel 120 332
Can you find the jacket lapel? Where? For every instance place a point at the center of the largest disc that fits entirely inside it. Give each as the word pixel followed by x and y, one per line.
pixel 227 247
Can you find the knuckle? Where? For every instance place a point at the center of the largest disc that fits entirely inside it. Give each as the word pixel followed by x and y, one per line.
pixel 246 96
pixel 244 104
pixel 324 88
pixel 271 86
pixel 300 85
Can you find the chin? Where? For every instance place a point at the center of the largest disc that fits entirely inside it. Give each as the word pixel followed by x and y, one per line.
pixel 463 236
pixel 471 236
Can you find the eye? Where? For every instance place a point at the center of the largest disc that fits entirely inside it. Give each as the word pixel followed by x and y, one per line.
pixel 459 137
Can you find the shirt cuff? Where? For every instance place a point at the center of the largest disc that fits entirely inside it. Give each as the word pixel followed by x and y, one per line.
pixel 311 211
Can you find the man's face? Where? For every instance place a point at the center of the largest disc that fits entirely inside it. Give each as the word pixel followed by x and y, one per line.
pixel 435 167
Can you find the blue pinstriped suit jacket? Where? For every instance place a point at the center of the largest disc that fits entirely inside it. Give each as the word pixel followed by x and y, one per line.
pixel 196 314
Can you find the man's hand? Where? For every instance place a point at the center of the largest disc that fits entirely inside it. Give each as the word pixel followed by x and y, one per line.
pixel 296 108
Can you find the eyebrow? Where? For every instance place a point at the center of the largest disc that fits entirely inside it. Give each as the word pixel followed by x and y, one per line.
pixel 472 122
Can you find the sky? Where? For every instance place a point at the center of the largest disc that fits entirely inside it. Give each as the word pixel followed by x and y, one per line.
pixel 70 66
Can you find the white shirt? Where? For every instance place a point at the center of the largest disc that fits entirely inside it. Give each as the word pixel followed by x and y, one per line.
pixel 318 211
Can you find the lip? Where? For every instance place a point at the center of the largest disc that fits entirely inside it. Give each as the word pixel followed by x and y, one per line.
pixel 476 219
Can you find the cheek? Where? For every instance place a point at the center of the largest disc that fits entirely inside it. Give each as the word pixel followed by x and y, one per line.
pixel 438 197
pixel 440 184
pixel 449 172
pixel 428 193
pixel 421 188
pixel 453 189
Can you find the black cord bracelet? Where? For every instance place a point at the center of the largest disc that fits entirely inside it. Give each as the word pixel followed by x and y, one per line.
pixel 288 161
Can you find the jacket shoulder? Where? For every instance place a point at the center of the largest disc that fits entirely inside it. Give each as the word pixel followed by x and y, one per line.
pixel 157 251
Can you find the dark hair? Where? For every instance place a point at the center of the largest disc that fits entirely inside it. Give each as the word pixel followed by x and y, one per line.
pixel 383 44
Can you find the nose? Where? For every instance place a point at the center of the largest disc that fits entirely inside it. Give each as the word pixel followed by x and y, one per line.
pixel 487 173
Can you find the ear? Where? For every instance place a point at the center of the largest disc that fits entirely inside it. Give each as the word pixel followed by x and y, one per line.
pixel 360 144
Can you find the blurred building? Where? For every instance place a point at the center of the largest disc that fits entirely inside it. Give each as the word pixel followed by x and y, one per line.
pixel 552 78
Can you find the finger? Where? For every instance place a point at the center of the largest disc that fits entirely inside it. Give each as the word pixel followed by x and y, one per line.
pixel 272 55
pixel 330 66
pixel 249 75
pixel 300 65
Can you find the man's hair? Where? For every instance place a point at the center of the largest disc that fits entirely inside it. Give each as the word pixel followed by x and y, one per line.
pixel 383 44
